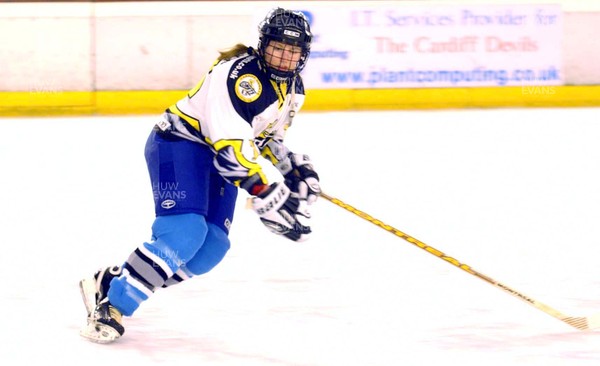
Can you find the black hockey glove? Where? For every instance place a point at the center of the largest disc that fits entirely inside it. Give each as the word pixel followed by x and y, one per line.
pixel 277 210
pixel 302 179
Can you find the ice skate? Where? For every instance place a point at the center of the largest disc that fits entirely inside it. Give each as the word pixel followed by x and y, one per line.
pixel 104 324
pixel 94 289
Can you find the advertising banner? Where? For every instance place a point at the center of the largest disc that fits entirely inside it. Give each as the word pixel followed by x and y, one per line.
pixel 420 46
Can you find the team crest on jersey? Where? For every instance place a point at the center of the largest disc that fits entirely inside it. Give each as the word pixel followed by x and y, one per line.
pixel 248 88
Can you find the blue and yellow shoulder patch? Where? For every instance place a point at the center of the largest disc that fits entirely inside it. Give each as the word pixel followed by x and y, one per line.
pixel 248 88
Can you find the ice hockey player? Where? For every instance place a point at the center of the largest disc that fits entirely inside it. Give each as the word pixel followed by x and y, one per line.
pixel 201 151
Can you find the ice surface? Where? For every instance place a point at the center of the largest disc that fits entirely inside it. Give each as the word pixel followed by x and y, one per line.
pixel 513 193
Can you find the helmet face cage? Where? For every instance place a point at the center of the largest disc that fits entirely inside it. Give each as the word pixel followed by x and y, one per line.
pixel 289 27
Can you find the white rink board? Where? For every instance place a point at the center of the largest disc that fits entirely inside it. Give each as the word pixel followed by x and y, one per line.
pixel 95 46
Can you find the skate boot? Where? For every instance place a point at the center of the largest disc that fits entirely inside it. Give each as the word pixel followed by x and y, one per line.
pixel 94 289
pixel 104 324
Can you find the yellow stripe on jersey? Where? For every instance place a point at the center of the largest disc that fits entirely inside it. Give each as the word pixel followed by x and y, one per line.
pixel 192 121
pixel 195 89
pixel 280 90
pixel 268 154
pixel 283 87
pixel 252 166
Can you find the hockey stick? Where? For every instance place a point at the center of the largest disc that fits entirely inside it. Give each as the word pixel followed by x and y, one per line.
pixel 581 323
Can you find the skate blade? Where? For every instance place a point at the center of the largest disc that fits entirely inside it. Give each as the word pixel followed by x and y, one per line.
pixel 88 294
pixel 99 333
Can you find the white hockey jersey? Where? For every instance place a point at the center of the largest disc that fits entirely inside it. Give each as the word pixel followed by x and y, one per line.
pixel 241 113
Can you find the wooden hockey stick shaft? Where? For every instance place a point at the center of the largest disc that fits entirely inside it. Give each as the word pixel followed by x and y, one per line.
pixel 581 323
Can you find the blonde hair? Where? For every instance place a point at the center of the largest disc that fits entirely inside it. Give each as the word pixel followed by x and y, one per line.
pixel 238 49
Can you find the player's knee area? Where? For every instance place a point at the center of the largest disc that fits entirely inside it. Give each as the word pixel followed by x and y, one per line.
pixel 212 252
pixel 181 234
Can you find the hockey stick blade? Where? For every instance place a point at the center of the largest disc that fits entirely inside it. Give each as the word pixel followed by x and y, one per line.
pixel 581 323
pixel 584 323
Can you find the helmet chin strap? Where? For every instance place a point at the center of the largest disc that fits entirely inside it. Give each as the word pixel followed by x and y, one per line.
pixel 279 78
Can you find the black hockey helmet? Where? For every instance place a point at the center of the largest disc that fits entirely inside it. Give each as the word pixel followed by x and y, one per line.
pixel 286 26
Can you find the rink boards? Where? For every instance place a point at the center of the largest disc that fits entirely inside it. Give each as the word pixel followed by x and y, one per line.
pixel 41 103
